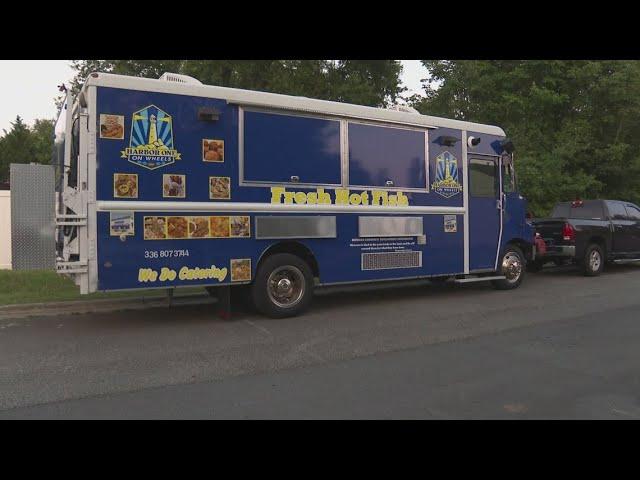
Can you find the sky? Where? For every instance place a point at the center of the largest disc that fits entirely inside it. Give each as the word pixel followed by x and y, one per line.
pixel 413 72
pixel 28 87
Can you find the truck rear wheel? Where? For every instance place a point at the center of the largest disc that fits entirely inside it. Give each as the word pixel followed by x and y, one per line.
pixel 283 286
pixel 512 266
pixel 593 260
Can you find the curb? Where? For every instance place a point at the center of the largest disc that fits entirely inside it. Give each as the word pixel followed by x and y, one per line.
pixel 98 305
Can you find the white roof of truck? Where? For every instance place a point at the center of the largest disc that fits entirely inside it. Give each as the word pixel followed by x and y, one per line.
pixel 182 85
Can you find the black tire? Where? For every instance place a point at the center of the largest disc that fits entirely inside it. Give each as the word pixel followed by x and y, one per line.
pixel 593 261
pixel 512 265
pixel 534 266
pixel 279 277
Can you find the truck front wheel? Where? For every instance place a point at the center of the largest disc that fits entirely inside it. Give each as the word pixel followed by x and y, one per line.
pixel 283 286
pixel 593 260
pixel 512 266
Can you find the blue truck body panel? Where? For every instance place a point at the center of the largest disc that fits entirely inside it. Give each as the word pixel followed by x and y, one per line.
pixel 162 157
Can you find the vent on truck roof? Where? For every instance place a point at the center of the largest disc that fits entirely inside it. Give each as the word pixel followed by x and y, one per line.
pixel 404 109
pixel 179 78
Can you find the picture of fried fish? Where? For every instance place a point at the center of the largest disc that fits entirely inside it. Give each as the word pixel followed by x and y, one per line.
pixel 240 269
pixel 198 227
pixel 154 228
pixel 219 227
pixel 112 126
pixel 219 188
pixel 212 150
pixel 177 227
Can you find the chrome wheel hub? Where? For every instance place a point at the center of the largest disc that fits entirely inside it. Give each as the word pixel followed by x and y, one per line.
pixel 595 260
pixel 511 267
pixel 286 286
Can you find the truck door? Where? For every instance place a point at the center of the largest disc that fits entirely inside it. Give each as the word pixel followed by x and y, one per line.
pixel 622 228
pixel 485 212
pixel 633 214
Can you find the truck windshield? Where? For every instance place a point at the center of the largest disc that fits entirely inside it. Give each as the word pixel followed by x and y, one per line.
pixel 591 210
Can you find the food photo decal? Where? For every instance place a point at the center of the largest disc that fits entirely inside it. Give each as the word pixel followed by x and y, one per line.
pixel 155 228
pixel 220 227
pixel 112 126
pixel 219 188
pixel 177 227
pixel 212 150
pixel 198 227
pixel 240 269
pixel 173 186
pixel 125 185
pixel 240 227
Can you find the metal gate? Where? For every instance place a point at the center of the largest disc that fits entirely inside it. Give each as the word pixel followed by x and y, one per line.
pixel 32 217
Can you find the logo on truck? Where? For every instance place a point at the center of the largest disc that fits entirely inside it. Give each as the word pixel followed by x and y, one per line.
pixel 446 182
pixel 151 141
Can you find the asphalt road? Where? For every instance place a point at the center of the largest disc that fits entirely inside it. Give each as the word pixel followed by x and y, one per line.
pixel 561 346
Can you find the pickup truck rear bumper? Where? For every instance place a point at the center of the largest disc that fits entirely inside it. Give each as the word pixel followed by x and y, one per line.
pixel 559 251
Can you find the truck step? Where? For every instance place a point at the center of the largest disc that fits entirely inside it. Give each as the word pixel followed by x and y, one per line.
pixel 624 261
pixel 71 267
pixel 71 219
pixel 478 279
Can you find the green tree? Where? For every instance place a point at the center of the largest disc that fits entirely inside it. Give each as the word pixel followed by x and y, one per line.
pixel 42 138
pixel 365 82
pixel 575 124
pixel 22 144
pixel 15 147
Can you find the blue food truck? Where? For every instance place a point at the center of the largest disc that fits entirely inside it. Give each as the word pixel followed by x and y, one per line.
pixel 170 183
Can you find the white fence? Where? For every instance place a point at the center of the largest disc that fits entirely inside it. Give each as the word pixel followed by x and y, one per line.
pixel 5 229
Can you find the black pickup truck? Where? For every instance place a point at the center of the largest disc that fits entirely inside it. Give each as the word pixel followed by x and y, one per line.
pixel 589 233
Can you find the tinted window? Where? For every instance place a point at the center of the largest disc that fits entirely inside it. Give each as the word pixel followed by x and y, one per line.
pixel 589 210
pixel 616 211
pixel 633 212
pixel 483 178
pixel 278 147
pixel 378 155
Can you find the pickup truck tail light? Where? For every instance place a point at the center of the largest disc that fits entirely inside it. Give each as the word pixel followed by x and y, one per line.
pixel 568 233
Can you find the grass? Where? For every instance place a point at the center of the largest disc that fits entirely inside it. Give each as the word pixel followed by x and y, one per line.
pixel 36 286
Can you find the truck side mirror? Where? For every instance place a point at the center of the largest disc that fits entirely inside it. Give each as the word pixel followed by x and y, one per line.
pixel 507 145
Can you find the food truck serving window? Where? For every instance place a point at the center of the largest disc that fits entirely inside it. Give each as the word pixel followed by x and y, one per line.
pixel 381 156
pixel 288 148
